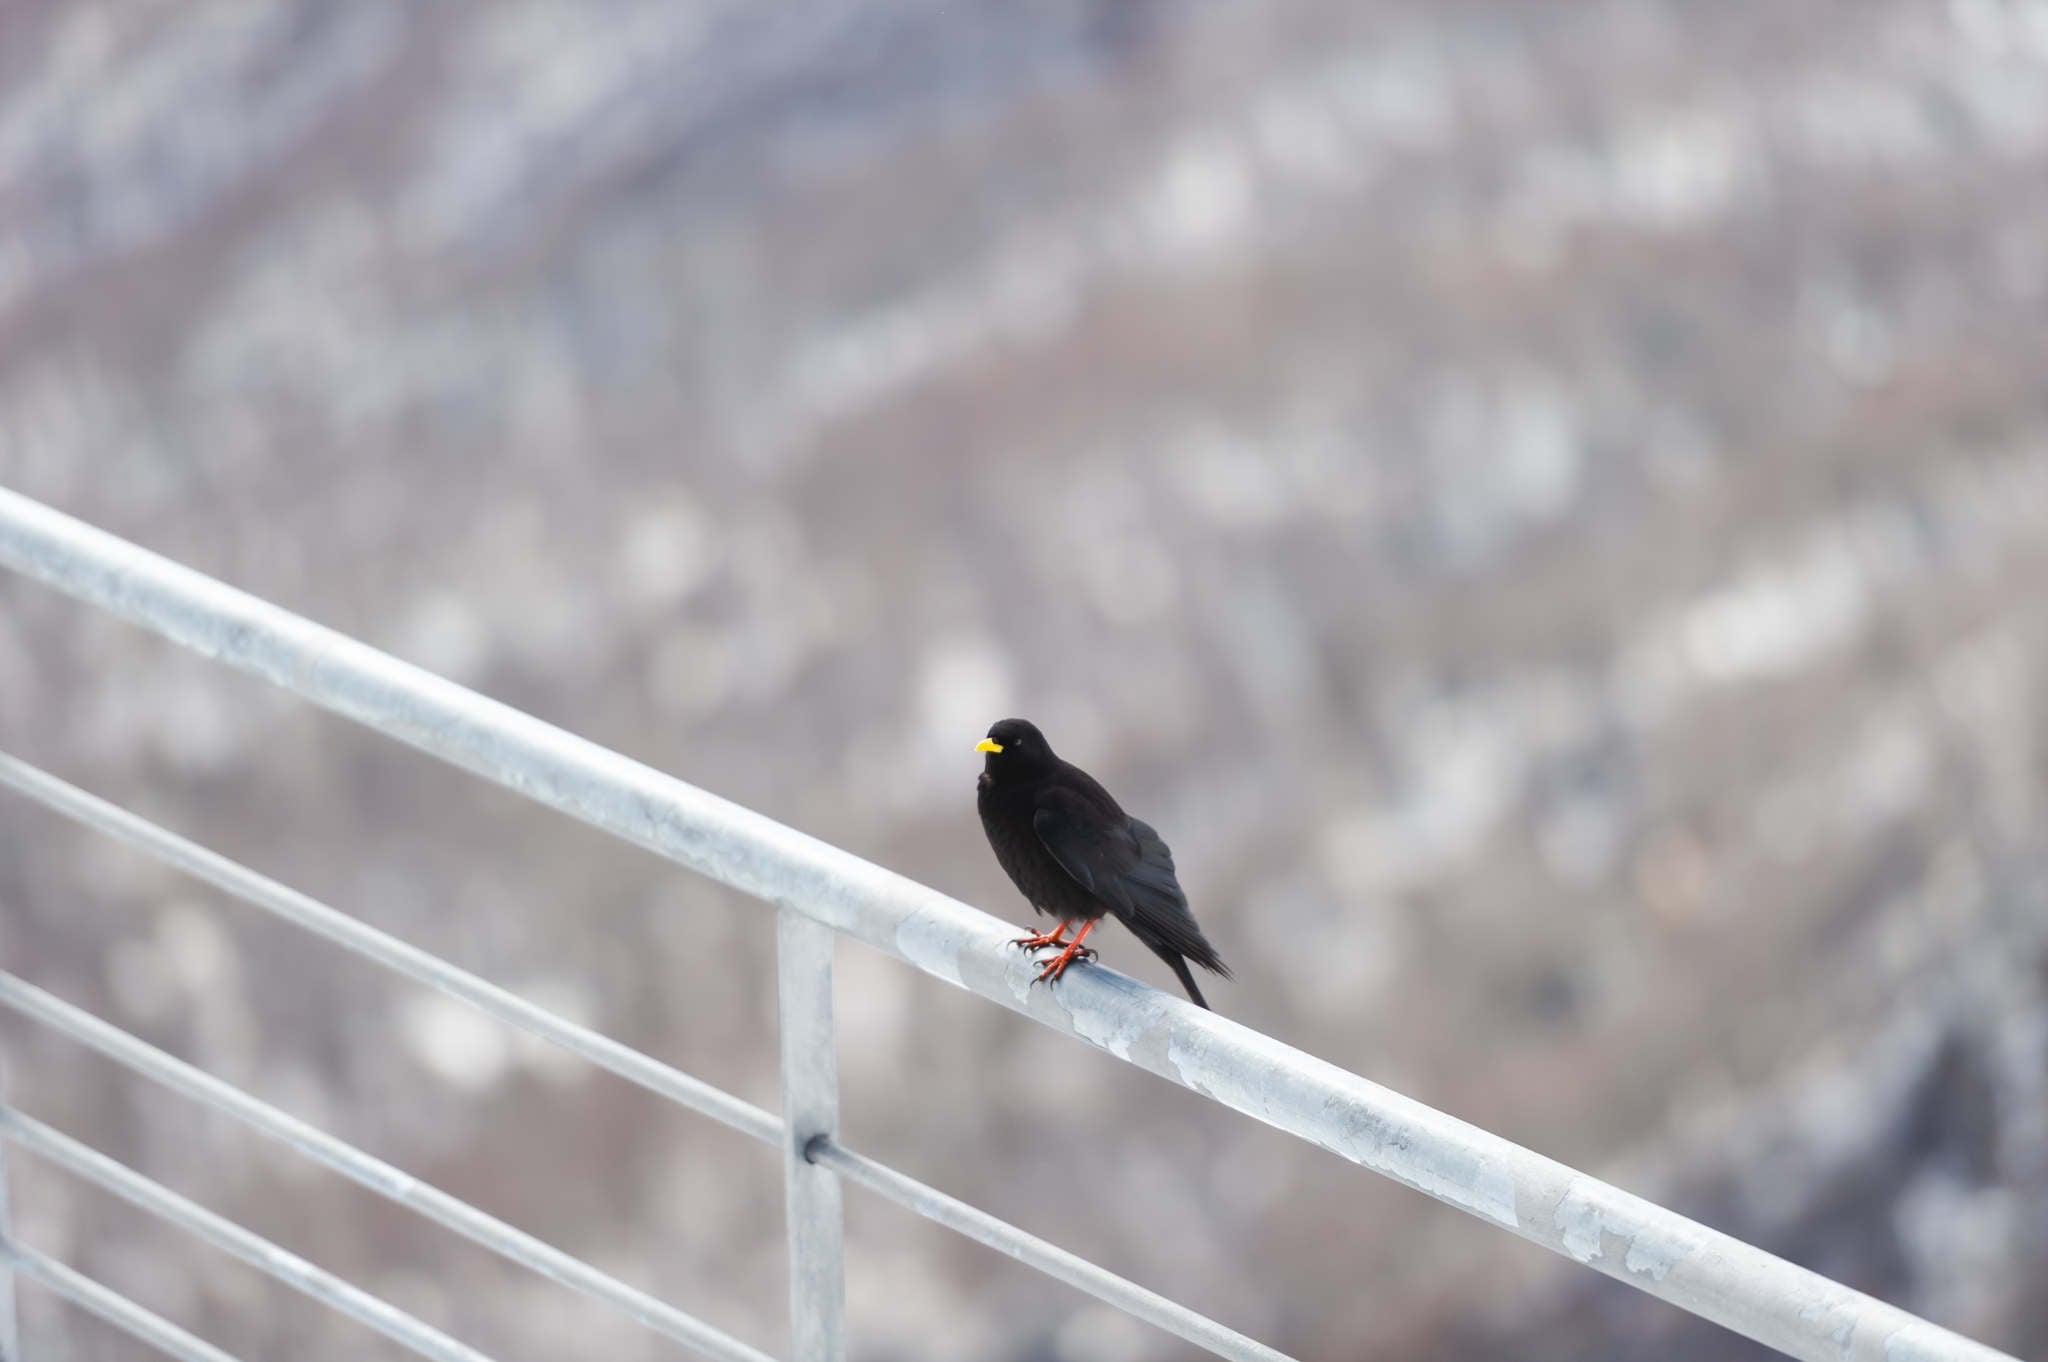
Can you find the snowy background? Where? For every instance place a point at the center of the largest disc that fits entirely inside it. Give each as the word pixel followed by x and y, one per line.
pixel 1545 507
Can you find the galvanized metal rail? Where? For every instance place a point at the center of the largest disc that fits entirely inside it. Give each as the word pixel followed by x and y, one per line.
pixel 818 886
pixel 291 906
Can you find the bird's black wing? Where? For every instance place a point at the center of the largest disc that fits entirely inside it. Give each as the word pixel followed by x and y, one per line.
pixel 1123 862
pixel 1093 843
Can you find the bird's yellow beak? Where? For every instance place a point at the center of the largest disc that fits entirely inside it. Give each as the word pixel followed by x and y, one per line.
pixel 988 745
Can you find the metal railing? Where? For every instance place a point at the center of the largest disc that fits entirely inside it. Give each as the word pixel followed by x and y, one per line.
pixel 819 891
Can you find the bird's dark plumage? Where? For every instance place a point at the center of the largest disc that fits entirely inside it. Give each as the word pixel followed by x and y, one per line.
pixel 1075 854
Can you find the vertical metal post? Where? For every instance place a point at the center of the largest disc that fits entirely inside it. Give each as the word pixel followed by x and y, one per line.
pixel 810 1112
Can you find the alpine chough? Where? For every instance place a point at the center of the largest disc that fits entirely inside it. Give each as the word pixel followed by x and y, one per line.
pixel 1075 854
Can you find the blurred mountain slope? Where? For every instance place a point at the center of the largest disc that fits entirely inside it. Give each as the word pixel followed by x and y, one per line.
pixel 1544 509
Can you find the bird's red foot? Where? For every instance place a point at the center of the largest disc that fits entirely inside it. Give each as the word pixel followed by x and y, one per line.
pixel 1069 953
pixel 1057 966
pixel 1056 937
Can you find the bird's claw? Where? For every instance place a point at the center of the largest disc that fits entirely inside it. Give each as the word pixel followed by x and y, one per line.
pixel 1039 941
pixel 1057 966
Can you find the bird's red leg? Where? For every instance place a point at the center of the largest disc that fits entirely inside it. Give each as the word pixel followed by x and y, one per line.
pixel 1056 937
pixel 1057 966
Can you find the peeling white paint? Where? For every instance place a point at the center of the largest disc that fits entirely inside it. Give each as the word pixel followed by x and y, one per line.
pixel 1362 1133
pixel 1839 1323
pixel 1578 1222
pixel 1115 1031
pixel 1650 1256
pixel 1910 1345
pixel 932 946
pixel 1442 1171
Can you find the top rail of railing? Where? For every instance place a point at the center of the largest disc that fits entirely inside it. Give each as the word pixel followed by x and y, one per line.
pixel 1653 1249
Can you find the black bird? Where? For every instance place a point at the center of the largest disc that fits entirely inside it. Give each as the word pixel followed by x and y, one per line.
pixel 1073 852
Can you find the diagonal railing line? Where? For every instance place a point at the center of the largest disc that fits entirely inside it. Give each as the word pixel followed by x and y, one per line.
pixel 371 1172
pixel 359 937
pixel 151 1196
pixel 131 829
pixel 1655 1250
pixel 1048 1258
pixel 110 1305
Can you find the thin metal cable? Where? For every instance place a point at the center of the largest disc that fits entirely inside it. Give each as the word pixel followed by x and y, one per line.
pixel 253 1249
pixel 1051 1259
pixel 282 901
pixel 111 1306
pixel 373 1173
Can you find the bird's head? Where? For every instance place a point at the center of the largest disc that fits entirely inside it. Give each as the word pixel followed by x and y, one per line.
pixel 1016 751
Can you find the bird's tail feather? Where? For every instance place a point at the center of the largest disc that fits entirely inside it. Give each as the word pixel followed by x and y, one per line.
pixel 1187 981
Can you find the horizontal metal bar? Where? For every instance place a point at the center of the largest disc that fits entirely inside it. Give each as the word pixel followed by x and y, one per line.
pixel 1655 1250
pixel 111 1306
pixel 387 950
pixel 1034 1252
pixel 253 1249
pixel 373 1173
